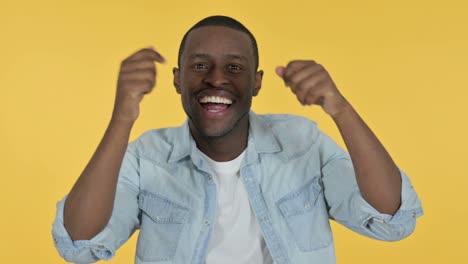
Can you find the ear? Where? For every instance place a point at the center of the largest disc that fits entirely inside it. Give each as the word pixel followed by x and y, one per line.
pixel 175 71
pixel 258 82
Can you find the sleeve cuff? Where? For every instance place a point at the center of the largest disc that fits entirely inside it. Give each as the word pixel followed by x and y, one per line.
pixel 80 250
pixel 391 227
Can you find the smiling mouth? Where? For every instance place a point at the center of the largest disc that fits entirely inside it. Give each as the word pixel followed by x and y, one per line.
pixel 215 104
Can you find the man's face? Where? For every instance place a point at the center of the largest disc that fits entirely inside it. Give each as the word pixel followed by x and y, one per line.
pixel 217 79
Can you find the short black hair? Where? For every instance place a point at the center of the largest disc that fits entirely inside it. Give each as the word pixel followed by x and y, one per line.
pixel 222 21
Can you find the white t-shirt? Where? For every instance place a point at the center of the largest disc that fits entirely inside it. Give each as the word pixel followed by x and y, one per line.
pixel 236 237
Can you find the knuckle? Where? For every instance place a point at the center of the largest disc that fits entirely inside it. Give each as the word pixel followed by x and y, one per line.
pixel 145 86
pixel 311 84
pixel 298 77
pixel 134 94
pixel 300 93
pixel 299 88
pixel 126 61
pixel 322 68
pixel 293 81
pixel 123 84
pixel 291 63
pixel 139 84
pixel 148 83
pixel 151 72
pixel 142 74
pixel 148 64
pixel 123 66
pixel 124 76
pixel 295 65
pixel 291 77
pixel 143 63
pixel 132 86
pixel 305 85
pixel 300 98
pixel 310 95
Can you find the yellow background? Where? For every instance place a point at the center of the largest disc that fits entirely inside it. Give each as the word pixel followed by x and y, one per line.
pixel 402 64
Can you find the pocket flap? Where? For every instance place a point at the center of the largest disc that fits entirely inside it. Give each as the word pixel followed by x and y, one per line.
pixel 301 200
pixel 161 209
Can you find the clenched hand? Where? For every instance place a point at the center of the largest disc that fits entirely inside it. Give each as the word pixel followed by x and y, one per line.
pixel 137 77
pixel 312 84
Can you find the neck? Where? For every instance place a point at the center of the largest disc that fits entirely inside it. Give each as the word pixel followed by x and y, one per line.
pixel 226 147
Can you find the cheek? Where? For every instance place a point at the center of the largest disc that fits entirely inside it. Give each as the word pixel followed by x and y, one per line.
pixel 186 99
pixel 250 88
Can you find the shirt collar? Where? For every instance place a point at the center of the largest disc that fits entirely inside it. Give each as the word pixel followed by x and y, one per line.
pixel 261 135
pixel 261 139
pixel 182 140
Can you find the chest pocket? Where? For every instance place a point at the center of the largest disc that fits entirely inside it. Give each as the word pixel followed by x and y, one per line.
pixel 306 216
pixel 162 222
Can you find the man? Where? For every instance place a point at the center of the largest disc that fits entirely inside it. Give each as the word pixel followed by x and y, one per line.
pixel 230 186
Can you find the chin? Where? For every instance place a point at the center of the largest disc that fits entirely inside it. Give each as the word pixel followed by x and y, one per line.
pixel 215 129
pixel 214 133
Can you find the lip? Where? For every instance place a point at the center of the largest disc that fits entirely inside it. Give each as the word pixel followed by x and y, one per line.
pixel 215 92
pixel 215 115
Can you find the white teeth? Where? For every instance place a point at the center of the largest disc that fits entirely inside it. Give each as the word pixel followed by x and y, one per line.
pixel 215 100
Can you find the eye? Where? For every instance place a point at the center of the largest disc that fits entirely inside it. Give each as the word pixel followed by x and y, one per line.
pixel 234 68
pixel 200 66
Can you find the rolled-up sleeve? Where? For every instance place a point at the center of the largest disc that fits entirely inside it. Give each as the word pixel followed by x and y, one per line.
pixel 347 206
pixel 123 222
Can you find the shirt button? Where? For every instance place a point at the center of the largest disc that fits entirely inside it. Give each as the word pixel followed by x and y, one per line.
pixel 379 220
pixel 307 206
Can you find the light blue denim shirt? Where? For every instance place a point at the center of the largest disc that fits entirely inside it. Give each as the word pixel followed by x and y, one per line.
pixel 296 177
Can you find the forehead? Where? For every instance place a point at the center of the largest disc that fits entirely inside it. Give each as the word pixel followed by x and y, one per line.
pixel 218 41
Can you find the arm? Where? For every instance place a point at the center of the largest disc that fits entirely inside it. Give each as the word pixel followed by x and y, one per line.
pixel 377 176
pixel 121 225
pixel 89 205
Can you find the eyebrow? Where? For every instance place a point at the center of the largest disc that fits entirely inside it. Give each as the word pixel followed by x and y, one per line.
pixel 227 56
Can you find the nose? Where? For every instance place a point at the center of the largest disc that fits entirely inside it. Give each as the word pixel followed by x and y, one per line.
pixel 216 77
